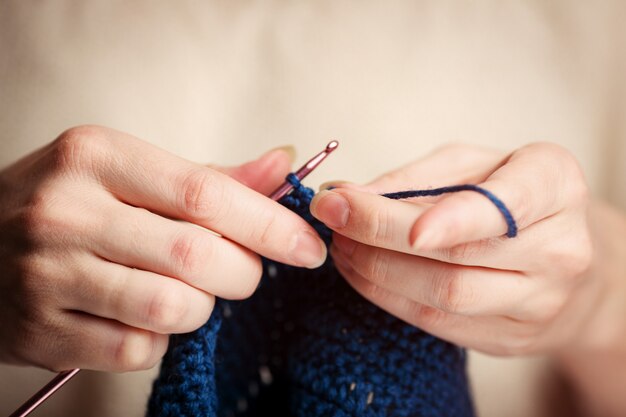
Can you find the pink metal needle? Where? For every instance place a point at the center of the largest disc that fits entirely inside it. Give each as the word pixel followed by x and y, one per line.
pixel 305 170
pixel 57 382
pixel 44 393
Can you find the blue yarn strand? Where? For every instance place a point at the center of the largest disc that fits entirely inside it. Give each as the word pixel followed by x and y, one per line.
pixel 504 210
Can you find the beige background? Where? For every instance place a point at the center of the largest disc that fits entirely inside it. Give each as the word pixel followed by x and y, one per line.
pixel 223 81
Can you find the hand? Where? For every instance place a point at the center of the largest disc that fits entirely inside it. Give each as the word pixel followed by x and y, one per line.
pixel 443 264
pixel 95 269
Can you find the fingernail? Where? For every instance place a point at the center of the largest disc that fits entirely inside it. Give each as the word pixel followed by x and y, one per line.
pixel 332 209
pixel 344 245
pixel 289 150
pixel 307 250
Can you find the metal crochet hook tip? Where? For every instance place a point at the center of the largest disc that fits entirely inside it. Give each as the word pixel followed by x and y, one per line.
pixel 305 170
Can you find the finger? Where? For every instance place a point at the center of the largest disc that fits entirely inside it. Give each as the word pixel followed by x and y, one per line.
pixel 536 182
pixel 454 289
pixel 553 259
pixel 145 176
pixel 557 257
pixel 264 174
pixel 376 221
pixel 367 217
pixel 88 342
pixel 447 165
pixel 492 335
pixel 137 298
pixel 137 238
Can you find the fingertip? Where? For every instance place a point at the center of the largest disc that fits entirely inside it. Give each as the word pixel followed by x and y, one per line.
pixel 277 162
pixel 438 227
pixel 421 237
pixel 331 208
pixel 288 150
pixel 315 201
pixel 430 230
pixel 267 172
pixel 307 250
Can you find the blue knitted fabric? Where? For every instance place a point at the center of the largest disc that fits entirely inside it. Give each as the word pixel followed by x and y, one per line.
pixel 306 344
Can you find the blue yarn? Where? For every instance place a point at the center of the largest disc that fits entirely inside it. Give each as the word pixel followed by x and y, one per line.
pixel 307 345
pixel 506 213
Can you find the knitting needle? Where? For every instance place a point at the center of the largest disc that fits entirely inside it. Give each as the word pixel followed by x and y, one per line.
pixel 305 170
pixel 57 382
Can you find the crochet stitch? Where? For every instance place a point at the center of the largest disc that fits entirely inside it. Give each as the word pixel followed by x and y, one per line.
pixel 306 344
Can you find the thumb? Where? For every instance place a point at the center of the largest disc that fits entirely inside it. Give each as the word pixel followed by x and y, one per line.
pixel 265 173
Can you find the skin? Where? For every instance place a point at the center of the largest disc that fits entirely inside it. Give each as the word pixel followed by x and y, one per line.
pixel 443 264
pixel 109 244
pixel 101 256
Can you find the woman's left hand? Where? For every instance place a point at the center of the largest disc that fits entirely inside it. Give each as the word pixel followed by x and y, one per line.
pixel 443 264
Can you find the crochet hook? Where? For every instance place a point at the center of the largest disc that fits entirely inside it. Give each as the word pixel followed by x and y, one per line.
pixel 44 393
pixel 62 377
pixel 305 170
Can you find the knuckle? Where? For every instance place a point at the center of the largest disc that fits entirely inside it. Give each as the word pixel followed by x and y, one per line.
pixel 33 340
pixel 556 152
pixel 373 292
pixel 135 350
pixel 190 252
pixel 451 294
pixel 571 259
pixel 551 306
pixel 550 150
pixel 571 175
pixel 79 146
pixel 575 183
pixel 376 267
pixel 44 219
pixel 582 257
pixel 558 255
pixel 35 284
pixel 462 253
pixel 517 203
pixel 264 231
pixel 578 192
pixel 167 310
pixel 202 195
pixel 37 216
pixel 379 226
pixel 426 316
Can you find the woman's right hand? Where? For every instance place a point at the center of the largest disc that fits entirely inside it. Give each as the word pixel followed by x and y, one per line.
pixel 95 269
